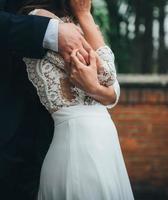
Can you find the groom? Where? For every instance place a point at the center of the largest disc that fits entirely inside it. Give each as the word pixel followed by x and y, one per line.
pixel 23 120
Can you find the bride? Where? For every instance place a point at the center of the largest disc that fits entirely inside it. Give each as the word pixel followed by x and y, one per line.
pixel 84 161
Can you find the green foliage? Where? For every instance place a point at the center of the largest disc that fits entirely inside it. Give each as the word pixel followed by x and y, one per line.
pixel 102 17
pixel 130 28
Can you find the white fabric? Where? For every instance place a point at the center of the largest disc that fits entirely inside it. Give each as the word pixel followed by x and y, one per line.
pixel 84 161
pixel 116 87
pixel 51 36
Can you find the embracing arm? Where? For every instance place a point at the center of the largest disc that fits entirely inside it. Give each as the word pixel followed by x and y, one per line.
pixel 23 34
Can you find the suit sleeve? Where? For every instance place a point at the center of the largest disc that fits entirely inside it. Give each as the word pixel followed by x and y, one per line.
pixel 23 34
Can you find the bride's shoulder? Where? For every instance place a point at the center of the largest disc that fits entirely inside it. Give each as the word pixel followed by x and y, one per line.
pixel 33 12
pixel 46 13
pixel 43 12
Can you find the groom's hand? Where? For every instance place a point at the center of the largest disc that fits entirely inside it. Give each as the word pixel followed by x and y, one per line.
pixel 70 37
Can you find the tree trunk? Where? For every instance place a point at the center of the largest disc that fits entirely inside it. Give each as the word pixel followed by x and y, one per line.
pixel 162 60
pixel 147 58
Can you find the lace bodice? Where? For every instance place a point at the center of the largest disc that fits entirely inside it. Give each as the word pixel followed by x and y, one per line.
pixel 55 91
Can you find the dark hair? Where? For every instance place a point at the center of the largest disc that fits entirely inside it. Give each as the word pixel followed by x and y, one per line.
pixel 59 7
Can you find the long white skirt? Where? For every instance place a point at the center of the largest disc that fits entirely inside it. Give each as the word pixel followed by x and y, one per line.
pixel 84 161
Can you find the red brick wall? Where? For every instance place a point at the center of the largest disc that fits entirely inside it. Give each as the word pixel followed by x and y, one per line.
pixel 142 122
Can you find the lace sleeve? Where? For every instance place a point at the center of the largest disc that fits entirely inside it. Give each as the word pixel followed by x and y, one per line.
pixel 108 76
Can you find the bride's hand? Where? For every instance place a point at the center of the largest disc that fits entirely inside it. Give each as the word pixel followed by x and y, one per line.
pixel 82 75
pixel 98 61
pixel 80 7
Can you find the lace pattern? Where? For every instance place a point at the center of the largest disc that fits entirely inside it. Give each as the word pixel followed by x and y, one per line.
pixel 55 91
pixel 108 75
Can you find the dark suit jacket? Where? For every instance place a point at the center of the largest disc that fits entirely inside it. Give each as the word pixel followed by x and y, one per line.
pixel 25 126
pixel 21 114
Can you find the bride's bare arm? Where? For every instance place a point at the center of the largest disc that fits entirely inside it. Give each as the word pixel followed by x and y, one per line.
pixel 81 9
pixel 109 93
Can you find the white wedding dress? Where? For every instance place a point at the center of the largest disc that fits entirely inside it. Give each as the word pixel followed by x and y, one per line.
pixel 84 161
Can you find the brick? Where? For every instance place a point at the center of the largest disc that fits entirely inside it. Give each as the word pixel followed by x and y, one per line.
pixel 142 126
